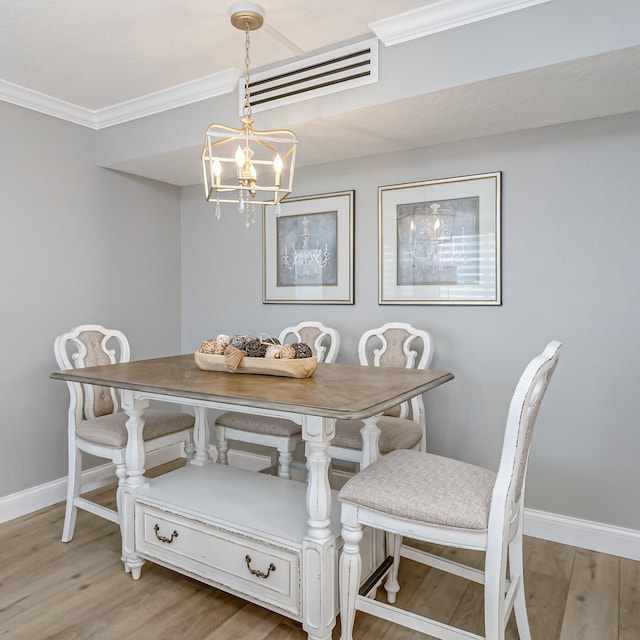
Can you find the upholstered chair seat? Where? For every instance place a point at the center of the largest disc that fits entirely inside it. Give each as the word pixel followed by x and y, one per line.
pixel 267 425
pixel 395 433
pixel 111 431
pixel 426 488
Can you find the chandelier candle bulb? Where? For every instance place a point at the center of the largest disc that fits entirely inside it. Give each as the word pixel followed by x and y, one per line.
pixel 217 171
pixel 277 167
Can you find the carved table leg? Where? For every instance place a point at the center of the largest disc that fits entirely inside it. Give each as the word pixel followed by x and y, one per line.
pixel 370 433
pixel 201 438
pixel 135 480
pixel 319 545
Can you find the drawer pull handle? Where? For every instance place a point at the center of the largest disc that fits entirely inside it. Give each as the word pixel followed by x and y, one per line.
pixel 156 528
pixel 257 572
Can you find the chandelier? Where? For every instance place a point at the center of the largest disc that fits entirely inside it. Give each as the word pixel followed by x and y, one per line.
pixel 245 166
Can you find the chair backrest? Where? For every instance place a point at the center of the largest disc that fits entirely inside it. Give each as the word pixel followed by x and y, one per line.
pixel 523 411
pixel 324 341
pixel 90 345
pixel 400 345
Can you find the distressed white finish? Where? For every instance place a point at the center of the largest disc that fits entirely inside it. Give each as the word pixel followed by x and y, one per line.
pixel 214 549
pixel 501 538
pixel 394 344
pixel 270 519
pixel 87 345
pixel 316 559
pixel 325 344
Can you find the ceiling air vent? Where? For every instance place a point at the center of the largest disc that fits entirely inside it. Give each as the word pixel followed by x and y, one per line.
pixel 330 72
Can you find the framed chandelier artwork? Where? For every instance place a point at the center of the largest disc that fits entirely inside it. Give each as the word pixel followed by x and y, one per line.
pixel 439 241
pixel 308 250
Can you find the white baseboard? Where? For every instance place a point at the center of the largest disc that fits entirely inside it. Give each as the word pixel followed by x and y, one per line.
pixel 30 500
pixel 595 536
pixel 585 534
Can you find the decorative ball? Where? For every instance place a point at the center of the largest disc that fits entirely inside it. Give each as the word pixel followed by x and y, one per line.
pixel 268 340
pixel 255 348
pixel 208 346
pixel 287 352
pixel 239 342
pixel 223 339
pixel 219 348
pixel 302 350
pixel 273 351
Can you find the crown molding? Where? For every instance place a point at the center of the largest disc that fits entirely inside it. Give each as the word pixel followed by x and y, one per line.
pixel 29 99
pixel 165 100
pixel 441 16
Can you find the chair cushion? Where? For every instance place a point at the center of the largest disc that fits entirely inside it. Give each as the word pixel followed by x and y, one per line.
pixel 395 433
pixel 110 430
pixel 258 424
pixel 426 488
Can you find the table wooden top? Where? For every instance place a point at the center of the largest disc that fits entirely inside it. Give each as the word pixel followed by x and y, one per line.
pixel 334 391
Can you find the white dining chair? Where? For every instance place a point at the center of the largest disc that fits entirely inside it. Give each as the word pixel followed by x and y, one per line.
pixel 281 434
pixel 394 344
pixel 96 423
pixel 438 500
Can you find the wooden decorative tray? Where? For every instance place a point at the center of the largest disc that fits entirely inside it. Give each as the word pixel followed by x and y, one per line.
pixel 294 368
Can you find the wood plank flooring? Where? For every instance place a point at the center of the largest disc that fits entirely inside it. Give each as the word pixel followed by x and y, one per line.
pixel 79 591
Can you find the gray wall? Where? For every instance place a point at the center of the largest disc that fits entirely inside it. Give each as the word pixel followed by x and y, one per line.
pixel 570 233
pixel 78 244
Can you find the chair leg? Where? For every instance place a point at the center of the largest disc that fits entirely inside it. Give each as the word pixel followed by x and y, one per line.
pixel 73 491
pixel 222 445
pixel 516 570
pixel 350 573
pixel 121 473
pixel 189 449
pixel 494 591
pixel 392 586
pixel 284 464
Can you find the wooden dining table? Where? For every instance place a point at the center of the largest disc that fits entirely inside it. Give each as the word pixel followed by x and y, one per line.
pixel 267 539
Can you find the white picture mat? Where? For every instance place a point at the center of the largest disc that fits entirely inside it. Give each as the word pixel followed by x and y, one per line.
pixel 342 291
pixel 488 291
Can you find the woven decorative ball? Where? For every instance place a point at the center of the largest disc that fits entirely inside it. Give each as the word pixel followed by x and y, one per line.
pixel 302 350
pixel 255 348
pixel 270 340
pixel 219 348
pixel 273 351
pixel 208 346
pixel 287 352
pixel 223 339
pixel 239 342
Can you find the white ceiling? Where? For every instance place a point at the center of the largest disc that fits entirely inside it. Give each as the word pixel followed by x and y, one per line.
pixel 96 55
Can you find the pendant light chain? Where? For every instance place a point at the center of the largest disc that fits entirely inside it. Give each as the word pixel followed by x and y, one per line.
pixel 247 62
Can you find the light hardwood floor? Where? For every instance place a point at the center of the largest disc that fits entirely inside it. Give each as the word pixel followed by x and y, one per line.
pixel 79 591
